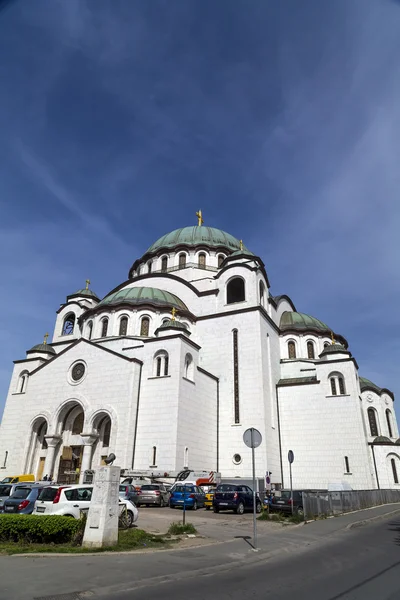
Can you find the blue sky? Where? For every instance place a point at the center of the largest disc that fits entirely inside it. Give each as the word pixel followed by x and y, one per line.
pixel 281 120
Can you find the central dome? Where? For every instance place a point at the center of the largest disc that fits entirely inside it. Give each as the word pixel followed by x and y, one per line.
pixel 195 236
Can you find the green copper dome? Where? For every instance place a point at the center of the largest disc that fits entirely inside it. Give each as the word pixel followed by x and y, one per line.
pixel 143 295
pixel 84 292
pixel 333 348
pixel 43 348
pixel 301 322
pixel 174 325
pixel 194 236
pixel 382 439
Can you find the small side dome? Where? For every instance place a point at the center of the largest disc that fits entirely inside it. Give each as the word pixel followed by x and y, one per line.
pixel 84 292
pixel 291 320
pixel 334 348
pixel 174 324
pixel 45 348
pixel 397 442
pixel 382 439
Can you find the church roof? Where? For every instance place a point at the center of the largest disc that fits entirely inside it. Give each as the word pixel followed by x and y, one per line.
pixel 366 384
pixel 300 321
pixel 382 439
pixel 195 236
pixel 143 295
pixel 174 324
pixel 84 292
pixel 334 348
pixel 46 348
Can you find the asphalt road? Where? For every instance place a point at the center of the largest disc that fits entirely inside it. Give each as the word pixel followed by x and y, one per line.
pixel 359 564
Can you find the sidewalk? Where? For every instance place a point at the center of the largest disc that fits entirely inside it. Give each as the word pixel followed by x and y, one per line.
pixel 29 577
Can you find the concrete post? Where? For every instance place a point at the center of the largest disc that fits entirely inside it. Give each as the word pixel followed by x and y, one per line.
pixel 88 440
pixel 102 521
pixel 52 443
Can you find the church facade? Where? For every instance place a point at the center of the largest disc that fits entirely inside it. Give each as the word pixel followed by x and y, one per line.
pixel 173 365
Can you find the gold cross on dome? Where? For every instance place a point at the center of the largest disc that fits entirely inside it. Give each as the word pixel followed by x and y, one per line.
pixel 241 244
pixel 173 312
pixel 332 338
pixel 199 215
pixel 87 283
pixel 46 335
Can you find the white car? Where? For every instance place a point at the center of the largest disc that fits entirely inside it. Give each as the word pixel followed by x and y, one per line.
pixel 71 500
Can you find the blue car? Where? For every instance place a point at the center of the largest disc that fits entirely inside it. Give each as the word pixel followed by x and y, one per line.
pixel 191 495
pixel 22 501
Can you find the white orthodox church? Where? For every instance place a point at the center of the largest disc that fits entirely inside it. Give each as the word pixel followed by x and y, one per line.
pixel 170 368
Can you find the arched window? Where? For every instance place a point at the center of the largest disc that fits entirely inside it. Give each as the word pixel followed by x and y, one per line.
pixel 373 425
pixel 262 293
pixel 161 364
pixel 182 260
pixel 333 386
pixel 326 344
pixel 235 291
pixel 291 349
pixel 310 350
pixel 188 368
pixel 149 266
pixel 104 327
pixel 337 384
pixel 89 330
pixel 202 260
pixel 77 426
pixel 394 470
pixel 144 326
pixel 69 324
pixel 389 422
pixel 123 325
pixel 186 459
pixel 342 390
pixel 154 456
pixel 106 434
pixel 23 382
pixel 164 264
pixel 221 259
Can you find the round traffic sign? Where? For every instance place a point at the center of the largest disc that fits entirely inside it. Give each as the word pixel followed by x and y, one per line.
pixel 252 437
pixel 290 456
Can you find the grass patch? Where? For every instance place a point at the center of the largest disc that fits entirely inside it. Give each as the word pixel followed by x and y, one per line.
pixel 179 528
pixel 130 539
pixel 279 517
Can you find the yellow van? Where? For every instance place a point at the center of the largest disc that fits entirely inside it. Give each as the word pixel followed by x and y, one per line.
pixel 19 479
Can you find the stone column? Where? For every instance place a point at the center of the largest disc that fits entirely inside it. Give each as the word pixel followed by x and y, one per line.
pixel 88 440
pixel 52 443
pixel 102 521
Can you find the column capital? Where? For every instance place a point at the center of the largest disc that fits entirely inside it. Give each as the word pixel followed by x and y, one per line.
pixel 89 437
pixel 52 440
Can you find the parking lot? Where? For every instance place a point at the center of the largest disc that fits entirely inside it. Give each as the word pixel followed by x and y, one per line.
pixel 223 526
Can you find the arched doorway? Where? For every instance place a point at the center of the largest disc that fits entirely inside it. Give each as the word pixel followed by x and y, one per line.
pixel 102 425
pixel 37 449
pixel 69 457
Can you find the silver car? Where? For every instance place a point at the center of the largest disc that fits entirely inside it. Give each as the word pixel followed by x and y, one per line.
pixel 153 493
pixel 7 489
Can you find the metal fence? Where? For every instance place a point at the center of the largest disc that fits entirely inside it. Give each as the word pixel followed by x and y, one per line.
pixel 318 504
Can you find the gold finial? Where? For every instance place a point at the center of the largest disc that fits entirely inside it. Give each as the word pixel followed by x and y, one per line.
pixel 87 283
pixel 332 338
pixel 173 312
pixel 46 335
pixel 199 215
pixel 241 244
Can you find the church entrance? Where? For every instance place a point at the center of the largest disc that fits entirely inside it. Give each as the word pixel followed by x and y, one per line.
pixel 70 464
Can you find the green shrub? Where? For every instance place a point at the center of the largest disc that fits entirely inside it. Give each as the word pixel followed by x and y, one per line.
pixel 179 528
pixel 51 529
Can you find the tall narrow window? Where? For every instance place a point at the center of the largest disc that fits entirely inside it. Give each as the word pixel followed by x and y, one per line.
pixel 235 291
pixel 164 264
pixel 144 326
pixel 389 422
pixel 149 266
pixel 69 324
pixel 186 459
pixel 182 261
pixel 373 425
pixel 159 366
pixel 104 327
pixel 90 330
pixel 202 260
pixel 342 390
pixel 333 386
pixel 154 457
pixel 123 326
pixel 106 434
pixel 394 470
pixel 236 376
pixel 291 350
pixel 221 259
pixel 22 383
pixel 310 350
pixel 166 364
pixel 5 459
pixel 347 464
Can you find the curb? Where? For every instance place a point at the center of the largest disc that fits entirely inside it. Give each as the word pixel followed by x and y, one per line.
pixel 363 522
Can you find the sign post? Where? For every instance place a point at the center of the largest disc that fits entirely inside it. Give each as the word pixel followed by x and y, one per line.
pixel 291 459
pixel 252 438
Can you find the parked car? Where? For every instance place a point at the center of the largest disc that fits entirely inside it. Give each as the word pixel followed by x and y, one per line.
pixel 23 499
pixel 7 489
pixel 153 493
pixel 69 501
pixel 129 492
pixel 19 479
pixel 209 498
pixel 190 495
pixel 283 503
pixel 229 496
